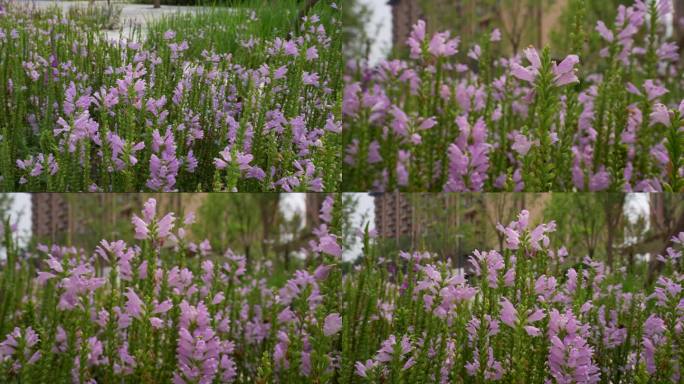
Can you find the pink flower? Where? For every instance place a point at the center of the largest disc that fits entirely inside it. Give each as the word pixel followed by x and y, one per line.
pixel 142 226
pixel 521 144
pixel 332 324
pixel 326 210
pixel 311 54
pixel 509 315
pixel 441 46
pixel 660 115
pixel 163 307
pixel 416 38
pixel 18 347
pixel 141 231
pixel 361 369
pixel 653 91
pixel 523 73
pixel 599 181
pixel 533 57
pixel 328 244
pixel 223 161
pixel 310 78
pixel 165 225
pixel 134 306
pixel 512 236
pixel 565 72
pixel 605 33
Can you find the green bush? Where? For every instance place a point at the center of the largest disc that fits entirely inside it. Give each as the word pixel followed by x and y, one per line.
pixel 98 15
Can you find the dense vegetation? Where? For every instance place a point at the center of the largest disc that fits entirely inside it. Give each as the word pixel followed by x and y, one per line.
pixel 241 98
pixel 584 121
pixel 163 307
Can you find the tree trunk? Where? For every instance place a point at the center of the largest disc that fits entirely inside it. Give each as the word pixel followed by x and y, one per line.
pixel 655 266
pixel 540 21
pixel 287 258
pixel 609 248
pixel 157 3
pixel 679 26
pixel 613 206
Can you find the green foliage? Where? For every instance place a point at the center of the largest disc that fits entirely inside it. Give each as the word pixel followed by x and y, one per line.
pixel 245 222
pixel 224 43
pixel 434 123
pixel 6 201
pixel 445 337
pixel 356 18
pixel 580 221
pixel 578 20
pixel 97 15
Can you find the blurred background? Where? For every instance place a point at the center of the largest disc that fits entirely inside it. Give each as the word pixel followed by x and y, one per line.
pixel 624 230
pixel 378 29
pixel 254 224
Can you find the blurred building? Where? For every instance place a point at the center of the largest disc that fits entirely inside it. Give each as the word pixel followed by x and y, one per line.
pixel 451 224
pixel 49 215
pixel 64 217
pixel 468 18
pixel 81 218
pixel 402 215
pixel 428 221
pixel 678 22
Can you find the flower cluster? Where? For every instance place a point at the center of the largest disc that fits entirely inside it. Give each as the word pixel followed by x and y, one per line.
pixel 536 121
pixel 169 310
pixel 171 110
pixel 518 314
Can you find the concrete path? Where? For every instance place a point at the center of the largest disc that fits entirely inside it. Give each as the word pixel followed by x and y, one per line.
pixel 132 15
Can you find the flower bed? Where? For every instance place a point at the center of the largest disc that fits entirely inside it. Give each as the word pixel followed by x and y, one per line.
pixel 438 121
pixel 224 99
pixel 164 308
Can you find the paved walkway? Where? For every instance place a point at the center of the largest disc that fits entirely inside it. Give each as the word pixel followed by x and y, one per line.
pixel 131 14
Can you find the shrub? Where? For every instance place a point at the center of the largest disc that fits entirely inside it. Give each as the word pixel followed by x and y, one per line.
pixel 100 16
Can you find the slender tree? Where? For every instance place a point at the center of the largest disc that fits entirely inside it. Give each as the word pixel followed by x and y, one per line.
pixel 667 220
pixel 613 209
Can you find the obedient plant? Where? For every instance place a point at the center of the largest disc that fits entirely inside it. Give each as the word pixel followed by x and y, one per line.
pixel 522 314
pixel 225 100
pixel 537 121
pixel 166 309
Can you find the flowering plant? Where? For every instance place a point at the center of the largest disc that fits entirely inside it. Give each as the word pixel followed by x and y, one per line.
pixel 440 121
pixel 165 309
pixel 222 99
pixel 522 314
